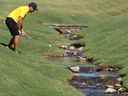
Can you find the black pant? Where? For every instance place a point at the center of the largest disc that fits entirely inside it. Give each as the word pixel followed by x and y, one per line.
pixel 12 26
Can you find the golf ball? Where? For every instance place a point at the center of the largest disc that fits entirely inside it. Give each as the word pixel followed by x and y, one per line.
pixel 50 45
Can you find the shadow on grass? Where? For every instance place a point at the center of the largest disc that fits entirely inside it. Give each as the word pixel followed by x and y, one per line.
pixel 3 44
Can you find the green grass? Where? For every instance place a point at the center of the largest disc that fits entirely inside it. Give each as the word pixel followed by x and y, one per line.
pixel 107 41
pixel 30 74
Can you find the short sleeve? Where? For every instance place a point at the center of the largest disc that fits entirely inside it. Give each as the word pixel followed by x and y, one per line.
pixel 23 12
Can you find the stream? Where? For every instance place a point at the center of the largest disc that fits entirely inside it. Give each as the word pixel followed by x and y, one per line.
pixel 88 77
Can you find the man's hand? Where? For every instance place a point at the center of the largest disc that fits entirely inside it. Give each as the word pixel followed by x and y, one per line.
pixel 22 33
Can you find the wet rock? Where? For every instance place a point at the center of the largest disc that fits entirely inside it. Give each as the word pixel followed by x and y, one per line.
pixel 118 85
pixel 67 34
pixel 103 67
pixel 83 59
pixel 63 46
pixel 120 90
pixel 72 48
pixel 81 49
pixel 119 79
pixel 106 67
pixel 83 69
pixel 81 52
pixel 68 29
pixel 110 89
pixel 63 30
pixel 75 37
pixel 72 51
pixel 75 68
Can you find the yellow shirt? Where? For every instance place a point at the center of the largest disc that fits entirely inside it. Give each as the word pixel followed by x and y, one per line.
pixel 19 12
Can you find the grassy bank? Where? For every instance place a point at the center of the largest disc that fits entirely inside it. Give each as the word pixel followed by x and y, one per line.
pixel 30 74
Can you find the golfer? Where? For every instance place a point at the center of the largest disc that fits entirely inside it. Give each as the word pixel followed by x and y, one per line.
pixel 14 22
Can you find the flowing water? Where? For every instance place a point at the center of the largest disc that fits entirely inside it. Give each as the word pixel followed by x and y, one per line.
pixel 88 78
pixel 93 83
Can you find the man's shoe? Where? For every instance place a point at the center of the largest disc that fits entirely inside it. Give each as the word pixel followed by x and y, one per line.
pixel 13 49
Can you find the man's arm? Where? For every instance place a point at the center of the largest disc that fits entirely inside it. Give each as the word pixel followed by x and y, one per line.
pixel 20 23
pixel 20 26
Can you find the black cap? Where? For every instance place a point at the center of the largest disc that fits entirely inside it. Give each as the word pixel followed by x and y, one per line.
pixel 33 5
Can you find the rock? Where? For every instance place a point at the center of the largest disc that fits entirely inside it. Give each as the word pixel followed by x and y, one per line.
pixel 75 68
pixel 119 79
pixel 84 84
pixel 110 89
pixel 69 53
pixel 63 46
pixel 110 69
pixel 118 85
pixel 72 48
pixel 81 48
pixel 103 66
pixel 103 76
pixel 69 31
pixel 82 59
pixel 121 89
pixel 66 52
pixel 75 36
pixel 76 74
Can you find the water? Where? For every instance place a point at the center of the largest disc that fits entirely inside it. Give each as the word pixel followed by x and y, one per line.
pixel 87 78
pixel 93 83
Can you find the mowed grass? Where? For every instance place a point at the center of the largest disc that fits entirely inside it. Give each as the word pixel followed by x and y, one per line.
pixel 30 74
pixel 107 41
